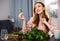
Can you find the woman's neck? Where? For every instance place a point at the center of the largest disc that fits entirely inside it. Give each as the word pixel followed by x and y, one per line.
pixel 40 15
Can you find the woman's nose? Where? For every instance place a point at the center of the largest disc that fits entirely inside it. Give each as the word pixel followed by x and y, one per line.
pixel 38 10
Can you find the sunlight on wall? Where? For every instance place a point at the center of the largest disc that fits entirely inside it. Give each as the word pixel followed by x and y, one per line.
pixel 52 4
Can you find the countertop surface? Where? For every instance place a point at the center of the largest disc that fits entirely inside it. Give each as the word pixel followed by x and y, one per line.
pixel 50 39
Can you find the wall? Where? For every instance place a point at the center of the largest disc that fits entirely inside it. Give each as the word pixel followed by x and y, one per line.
pixel 58 14
pixel 4 9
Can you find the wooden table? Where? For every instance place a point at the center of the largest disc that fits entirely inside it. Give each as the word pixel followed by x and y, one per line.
pixel 51 39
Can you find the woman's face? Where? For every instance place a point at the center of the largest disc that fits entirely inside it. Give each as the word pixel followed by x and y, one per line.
pixel 39 8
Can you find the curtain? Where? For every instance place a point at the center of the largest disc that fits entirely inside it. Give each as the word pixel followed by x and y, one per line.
pixel 16 5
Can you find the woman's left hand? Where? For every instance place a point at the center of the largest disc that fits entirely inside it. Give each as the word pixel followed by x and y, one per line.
pixel 44 20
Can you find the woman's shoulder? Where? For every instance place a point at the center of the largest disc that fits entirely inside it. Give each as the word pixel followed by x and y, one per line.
pixel 51 18
pixel 31 19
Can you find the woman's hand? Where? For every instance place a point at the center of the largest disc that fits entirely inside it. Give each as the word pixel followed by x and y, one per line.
pixel 43 20
pixel 21 16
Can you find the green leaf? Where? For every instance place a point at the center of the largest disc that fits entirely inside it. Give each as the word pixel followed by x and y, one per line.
pixel 21 10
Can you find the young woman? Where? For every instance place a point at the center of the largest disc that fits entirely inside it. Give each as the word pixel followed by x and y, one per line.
pixel 40 20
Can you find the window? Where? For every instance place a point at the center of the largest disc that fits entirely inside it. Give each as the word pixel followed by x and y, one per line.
pixel 53 7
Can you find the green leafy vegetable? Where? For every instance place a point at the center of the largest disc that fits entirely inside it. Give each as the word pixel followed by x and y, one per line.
pixel 33 34
pixel 21 10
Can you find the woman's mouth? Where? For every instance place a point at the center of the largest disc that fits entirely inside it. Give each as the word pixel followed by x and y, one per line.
pixel 38 10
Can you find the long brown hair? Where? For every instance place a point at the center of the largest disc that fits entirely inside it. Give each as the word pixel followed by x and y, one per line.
pixel 36 17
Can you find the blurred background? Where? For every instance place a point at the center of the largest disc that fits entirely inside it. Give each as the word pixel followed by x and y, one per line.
pixel 10 9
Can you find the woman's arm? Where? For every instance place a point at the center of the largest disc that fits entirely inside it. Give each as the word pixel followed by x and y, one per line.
pixel 51 25
pixel 28 27
pixel 25 28
pixel 21 16
pixel 24 25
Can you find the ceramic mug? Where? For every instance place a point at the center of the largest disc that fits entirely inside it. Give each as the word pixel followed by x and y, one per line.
pixel 57 34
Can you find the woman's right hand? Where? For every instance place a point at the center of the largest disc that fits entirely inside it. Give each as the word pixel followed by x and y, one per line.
pixel 21 16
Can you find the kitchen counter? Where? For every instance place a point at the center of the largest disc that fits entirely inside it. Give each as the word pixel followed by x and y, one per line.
pixel 50 39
